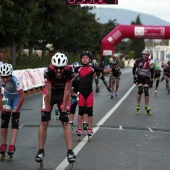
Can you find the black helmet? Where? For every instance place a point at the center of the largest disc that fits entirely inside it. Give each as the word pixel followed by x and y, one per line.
pixel 88 53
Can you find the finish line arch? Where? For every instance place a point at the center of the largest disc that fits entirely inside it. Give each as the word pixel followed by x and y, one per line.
pixel 132 31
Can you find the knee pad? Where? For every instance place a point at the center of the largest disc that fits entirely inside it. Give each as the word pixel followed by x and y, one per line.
pixel 82 110
pixel 89 111
pixel 140 90
pixel 146 91
pixel 15 120
pixel 5 119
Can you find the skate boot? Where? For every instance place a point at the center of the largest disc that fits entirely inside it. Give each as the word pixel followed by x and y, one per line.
pixel 11 150
pixel 90 133
pixel 155 92
pixel 138 108
pixel 3 149
pixel 79 133
pixel 71 125
pixel 148 110
pixel 109 89
pixel 97 90
pixel 85 127
pixel 39 158
pixel 71 158
pixel 112 96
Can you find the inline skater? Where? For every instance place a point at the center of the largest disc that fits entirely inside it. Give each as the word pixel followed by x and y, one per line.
pixel 74 99
pixel 157 74
pixel 58 82
pixel 166 75
pixel 143 72
pixel 85 103
pixel 99 75
pixel 10 106
pixel 115 78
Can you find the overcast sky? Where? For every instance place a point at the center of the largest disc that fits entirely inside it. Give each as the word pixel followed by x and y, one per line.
pixel 159 8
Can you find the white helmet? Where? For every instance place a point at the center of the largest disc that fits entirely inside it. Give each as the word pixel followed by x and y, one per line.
pixel 6 69
pixel 115 55
pixel 145 51
pixel 76 64
pixel 59 60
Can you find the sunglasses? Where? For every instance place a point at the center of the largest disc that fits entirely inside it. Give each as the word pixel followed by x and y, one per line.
pixel 61 68
pixel 3 77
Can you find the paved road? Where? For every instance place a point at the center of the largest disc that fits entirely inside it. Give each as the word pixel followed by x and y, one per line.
pixel 122 140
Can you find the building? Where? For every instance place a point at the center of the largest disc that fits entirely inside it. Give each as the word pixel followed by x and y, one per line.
pixel 161 53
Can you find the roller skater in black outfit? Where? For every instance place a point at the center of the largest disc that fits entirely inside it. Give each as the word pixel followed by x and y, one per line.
pixel 85 103
pixel 143 72
pixel 58 81
pixel 166 75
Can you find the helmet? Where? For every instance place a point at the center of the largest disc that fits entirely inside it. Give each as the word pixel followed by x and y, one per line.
pixel 145 51
pixel 59 60
pixel 94 62
pixel 157 67
pixel 88 53
pixel 6 69
pixel 113 62
pixel 115 55
pixel 76 64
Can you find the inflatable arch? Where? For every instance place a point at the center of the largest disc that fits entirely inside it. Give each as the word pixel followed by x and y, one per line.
pixel 132 31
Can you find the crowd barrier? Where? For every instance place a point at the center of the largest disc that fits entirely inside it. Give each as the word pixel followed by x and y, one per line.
pixel 32 80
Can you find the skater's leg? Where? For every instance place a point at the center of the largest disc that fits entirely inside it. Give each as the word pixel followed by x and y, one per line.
pixel 139 95
pixel 146 89
pixel 4 134
pixel 15 126
pixel 42 135
pixel 67 135
pixel 5 117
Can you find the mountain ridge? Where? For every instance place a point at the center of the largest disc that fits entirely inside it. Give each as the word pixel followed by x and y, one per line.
pixel 125 16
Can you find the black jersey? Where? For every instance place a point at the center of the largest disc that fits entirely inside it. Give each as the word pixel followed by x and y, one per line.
pixel 75 84
pixel 58 83
pixel 86 73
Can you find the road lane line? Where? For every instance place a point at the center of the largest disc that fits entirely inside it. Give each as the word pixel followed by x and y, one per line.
pixel 150 129
pixel 81 144
pixel 21 126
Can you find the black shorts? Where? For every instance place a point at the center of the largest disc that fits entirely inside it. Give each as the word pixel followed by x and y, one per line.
pixel 143 80
pixel 56 97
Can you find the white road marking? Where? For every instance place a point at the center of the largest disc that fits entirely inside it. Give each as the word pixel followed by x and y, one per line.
pixel 120 127
pixel 150 129
pixel 21 126
pixel 81 144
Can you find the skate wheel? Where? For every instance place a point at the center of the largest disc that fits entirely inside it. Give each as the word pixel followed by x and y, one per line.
pixel 40 166
pixel 71 166
pixel 79 138
pixel 9 158
pixel 89 137
pixel 2 157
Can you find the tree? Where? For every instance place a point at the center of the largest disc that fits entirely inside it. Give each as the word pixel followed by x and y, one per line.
pixel 137 45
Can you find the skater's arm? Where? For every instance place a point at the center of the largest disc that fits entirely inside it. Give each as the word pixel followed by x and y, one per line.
pixel 1 106
pixel 66 96
pixel 48 96
pixel 21 100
